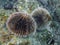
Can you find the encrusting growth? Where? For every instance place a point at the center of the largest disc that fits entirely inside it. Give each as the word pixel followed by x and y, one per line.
pixel 21 24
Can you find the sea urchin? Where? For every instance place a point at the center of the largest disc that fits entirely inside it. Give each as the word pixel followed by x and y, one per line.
pixel 41 16
pixel 21 24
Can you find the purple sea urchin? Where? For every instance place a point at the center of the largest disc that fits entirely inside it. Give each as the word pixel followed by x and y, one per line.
pixel 41 16
pixel 21 24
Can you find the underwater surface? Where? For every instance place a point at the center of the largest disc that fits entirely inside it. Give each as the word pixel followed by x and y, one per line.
pixel 29 22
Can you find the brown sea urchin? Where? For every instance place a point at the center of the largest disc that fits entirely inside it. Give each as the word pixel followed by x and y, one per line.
pixel 21 24
pixel 41 16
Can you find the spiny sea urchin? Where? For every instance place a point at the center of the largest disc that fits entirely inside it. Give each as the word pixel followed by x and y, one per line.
pixel 41 16
pixel 21 24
